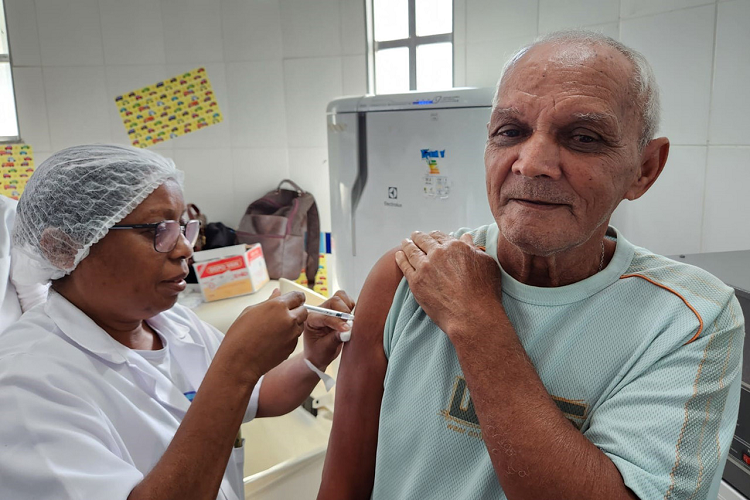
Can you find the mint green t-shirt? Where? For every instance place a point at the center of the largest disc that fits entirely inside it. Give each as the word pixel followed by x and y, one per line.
pixel 644 358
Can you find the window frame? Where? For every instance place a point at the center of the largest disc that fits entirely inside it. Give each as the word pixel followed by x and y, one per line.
pixel 6 59
pixel 411 42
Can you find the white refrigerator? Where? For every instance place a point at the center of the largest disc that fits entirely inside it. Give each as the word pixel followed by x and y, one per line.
pixel 400 163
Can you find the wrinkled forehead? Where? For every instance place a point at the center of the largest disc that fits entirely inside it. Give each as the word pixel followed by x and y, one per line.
pixel 574 74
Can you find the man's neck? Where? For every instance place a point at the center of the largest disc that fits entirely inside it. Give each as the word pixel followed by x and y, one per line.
pixel 558 269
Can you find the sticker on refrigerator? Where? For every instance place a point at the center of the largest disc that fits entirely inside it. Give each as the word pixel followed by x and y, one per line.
pixel 436 185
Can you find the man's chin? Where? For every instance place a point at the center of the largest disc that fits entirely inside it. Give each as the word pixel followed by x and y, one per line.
pixel 533 241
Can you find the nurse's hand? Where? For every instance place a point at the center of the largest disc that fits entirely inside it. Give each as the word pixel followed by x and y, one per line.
pixel 264 335
pixel 322 337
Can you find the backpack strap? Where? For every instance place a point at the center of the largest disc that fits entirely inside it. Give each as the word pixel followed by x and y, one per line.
pixel 299 190
pixel 313 243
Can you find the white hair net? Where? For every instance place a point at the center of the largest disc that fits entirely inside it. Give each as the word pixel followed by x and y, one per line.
pixel 72 200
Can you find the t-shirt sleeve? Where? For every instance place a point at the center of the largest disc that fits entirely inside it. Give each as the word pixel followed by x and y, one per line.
pixel 668 429
pixel 55 444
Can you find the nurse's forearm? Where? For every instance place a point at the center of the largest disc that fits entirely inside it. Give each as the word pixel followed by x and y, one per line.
pixel 285 387
pixel 193 465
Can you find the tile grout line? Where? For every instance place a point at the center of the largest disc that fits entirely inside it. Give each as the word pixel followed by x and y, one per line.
pixel 708 126
pixel 44 79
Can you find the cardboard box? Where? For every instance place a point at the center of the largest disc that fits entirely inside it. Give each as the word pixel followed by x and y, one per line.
pixel 230 271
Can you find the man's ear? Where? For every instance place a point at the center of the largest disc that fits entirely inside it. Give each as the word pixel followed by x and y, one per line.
pixel 653 159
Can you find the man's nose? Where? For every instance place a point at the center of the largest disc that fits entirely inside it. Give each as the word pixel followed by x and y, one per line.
pixel 539 156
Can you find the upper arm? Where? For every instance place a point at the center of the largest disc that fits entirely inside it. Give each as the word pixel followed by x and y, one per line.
pixel 350 461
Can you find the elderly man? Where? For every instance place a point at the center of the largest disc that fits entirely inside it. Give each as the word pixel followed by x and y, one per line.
pixel 544 356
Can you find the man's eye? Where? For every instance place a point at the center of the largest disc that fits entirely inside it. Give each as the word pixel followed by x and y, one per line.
pixel 584 139
pixel 509 132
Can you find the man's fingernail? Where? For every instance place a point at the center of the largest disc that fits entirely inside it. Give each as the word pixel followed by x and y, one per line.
pixel 346 327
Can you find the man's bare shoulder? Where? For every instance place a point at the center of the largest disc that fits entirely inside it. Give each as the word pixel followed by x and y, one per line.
pixel 376 297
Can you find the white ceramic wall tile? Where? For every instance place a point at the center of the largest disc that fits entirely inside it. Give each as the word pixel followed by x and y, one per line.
pixel 310 84
pixel 124 79
pixel 214 136
pixel 491 20
pixel 612 30
pixel 729 104
pixel 634 8
pixel 311 29
pixel 459 64
pixel 41 156
pixel 679 46
pixel 20 15
pixel 32 107
pixel 256 97
pixel 667 219
pixel 255 172
pixel 70 32
pixel 308 167
pixel 77 105
pixel 252 30
pixel 459 21
pixel 209 181
pixel 354 69
pixel 132 32
pixel 485 60
pixel 555 15
pixel 726 214
pixel 192 31
pixel 353 35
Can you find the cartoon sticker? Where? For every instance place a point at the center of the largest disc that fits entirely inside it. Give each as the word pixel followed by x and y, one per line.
pixel 16 167
pixel 169 109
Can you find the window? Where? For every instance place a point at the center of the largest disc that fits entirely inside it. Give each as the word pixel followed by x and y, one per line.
pixel 410 45
pixel 8 117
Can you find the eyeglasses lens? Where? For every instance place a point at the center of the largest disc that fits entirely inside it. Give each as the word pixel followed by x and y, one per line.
pixel 166 236
pixel 192 229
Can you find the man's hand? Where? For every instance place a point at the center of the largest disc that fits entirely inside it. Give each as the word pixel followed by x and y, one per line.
pixel 453 280
pixel 322 336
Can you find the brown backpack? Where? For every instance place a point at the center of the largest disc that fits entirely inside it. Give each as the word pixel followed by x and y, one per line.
pixel 278 222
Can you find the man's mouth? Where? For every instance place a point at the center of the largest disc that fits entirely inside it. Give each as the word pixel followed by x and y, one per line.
pixel 538 204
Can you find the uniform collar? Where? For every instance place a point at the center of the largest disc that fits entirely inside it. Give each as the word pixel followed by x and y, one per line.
pixel 192 356
pixel 82 330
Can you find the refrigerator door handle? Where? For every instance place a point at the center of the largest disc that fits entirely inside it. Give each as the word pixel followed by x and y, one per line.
pixel 361 180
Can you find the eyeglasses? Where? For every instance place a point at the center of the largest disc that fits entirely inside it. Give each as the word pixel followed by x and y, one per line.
pixel 167 232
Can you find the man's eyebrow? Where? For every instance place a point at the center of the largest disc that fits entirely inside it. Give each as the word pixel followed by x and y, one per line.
pixel 606 119
pixel 509 112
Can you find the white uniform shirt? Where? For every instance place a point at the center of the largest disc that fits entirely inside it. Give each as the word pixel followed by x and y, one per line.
pixel 84 417
pixel 10 306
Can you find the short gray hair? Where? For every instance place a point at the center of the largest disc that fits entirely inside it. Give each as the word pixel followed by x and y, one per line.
pixel 642 82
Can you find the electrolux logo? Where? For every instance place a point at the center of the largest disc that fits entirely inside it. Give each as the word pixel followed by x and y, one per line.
pixel 392 195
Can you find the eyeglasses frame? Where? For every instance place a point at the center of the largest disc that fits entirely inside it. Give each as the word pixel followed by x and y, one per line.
pixel 154 225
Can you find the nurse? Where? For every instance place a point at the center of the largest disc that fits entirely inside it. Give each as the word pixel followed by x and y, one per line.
pixel 110 389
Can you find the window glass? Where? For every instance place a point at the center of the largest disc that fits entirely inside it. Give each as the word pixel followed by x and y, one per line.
pixel 391 19
pixel 3 32
pixel 392 70
pixel 435 66
pixel 434 17
pixel 8 122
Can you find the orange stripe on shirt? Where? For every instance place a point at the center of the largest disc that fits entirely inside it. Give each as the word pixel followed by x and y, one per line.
pixel 700 320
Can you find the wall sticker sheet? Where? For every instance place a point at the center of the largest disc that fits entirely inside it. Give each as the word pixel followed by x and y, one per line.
pixel 16 166
pixel 169 109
